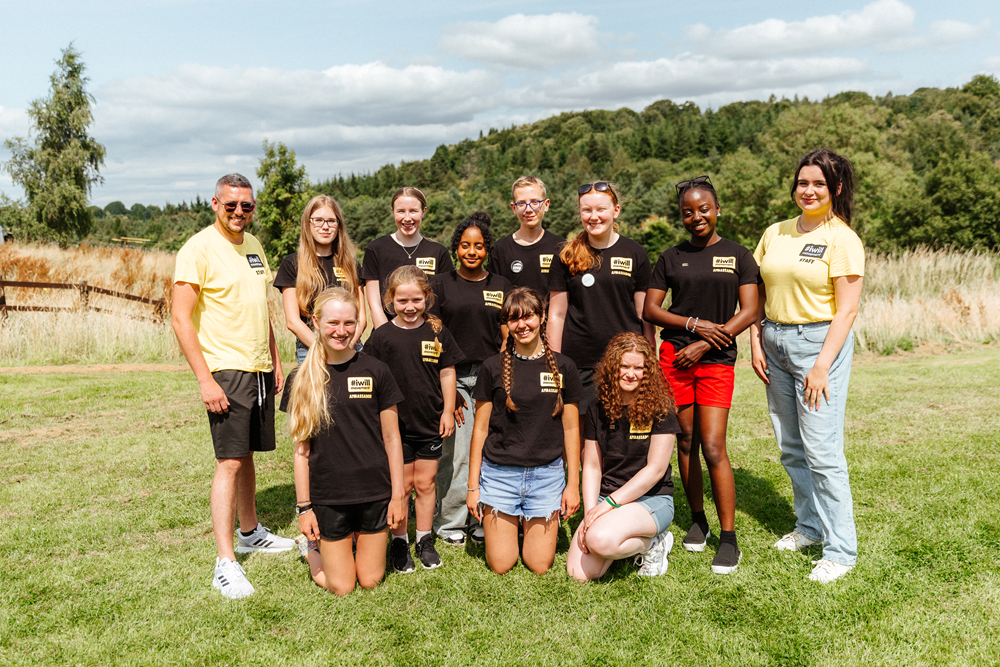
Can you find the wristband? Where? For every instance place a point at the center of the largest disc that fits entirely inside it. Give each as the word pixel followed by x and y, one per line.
pixel 302 509
pixel 694 329
pixel 687 325
pixel 611 502
pixel 470 489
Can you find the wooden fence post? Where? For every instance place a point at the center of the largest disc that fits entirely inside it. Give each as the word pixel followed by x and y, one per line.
pixel 85 295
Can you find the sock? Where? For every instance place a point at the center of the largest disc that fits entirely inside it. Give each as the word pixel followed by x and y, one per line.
pixel 700 519
pixel 403 537
pixel 421 533
pixel 728 536
pixel 248 534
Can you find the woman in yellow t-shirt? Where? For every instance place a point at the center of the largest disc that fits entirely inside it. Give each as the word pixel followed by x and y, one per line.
pixel 802 345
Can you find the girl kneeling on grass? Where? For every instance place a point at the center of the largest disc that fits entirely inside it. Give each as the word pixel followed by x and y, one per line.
pixel 348 460
pixel 526 422
pixel 628 435
pixel 422 355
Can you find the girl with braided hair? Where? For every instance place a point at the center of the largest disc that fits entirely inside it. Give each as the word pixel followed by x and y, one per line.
pixel 628 437
pixel 422 355
pixel 526 427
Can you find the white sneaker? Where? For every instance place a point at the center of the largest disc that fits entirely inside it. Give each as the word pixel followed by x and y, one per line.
pixel 653 561
pixel 478 535
pixel 793 541
pixel 231 579
pixel 261 539
pixel 826 571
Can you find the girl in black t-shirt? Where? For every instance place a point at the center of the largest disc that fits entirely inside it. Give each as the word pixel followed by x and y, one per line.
pixel 597 286
pixel 468 300
pixel 708 277
pixel 405 246
pixel 348 462
pixel 326 257
pixel 422 355
pixel 627 487
pixel 526 426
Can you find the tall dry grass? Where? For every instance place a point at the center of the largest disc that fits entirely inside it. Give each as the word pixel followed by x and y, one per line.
pixel 123 332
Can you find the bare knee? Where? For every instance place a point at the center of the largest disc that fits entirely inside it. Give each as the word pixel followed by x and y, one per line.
pixel 501 565
pixel 714 452
pixel 425 487
pixel 368 581
pixel 340 588
pixel 578 573
pixel 601 544
pixel 538 564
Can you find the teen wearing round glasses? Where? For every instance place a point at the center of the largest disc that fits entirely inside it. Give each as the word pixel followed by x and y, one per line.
pixel 326 258
pixel 597 285
pixel 708 277
pixel 812 268
pixel 525 257
pixel 405 246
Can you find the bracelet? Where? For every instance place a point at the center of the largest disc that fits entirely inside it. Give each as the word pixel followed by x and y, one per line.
pixel 611 502
pixel 470 489
pixel 687 325
pixel 694 329
pixel 302 509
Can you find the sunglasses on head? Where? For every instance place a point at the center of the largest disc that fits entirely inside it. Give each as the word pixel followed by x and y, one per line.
pixel 599 186
pixel 231 207
pixel 694 181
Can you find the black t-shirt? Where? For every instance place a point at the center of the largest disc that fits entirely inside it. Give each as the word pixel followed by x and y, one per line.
pixel 704 282
pixel 531 436
pixel 526 265
pixel 288 272
pixel 625 450
pixel 347 461
pixel 416 363
pixel 384 255
pixel 470 309
pixel 607 307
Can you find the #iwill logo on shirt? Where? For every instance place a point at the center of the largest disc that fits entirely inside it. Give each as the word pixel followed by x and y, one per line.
pixel 639 432
pixel 545 262
pixel 430 351
pixel 360 387
pixel 427 264
pixel 621 266
pixel 813 251
pixel 493 298
pixel 339 273
pixel 548 383
pixel 255 261
pixel 724 264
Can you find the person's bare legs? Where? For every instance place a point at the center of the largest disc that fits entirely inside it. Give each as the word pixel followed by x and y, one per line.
pixel 424 480
pixel 400 530
pixel 712 423
pixel 539 548
pixel 501 539
pixel 226 497
pixel 369 561
pixel 246 494
pixel 688 459
pixel 622 532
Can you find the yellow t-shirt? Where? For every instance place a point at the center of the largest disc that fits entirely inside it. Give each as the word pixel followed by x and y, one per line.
pixel 798 269
pixel 231 315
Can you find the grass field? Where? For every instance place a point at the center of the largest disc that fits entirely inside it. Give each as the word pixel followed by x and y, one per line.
pixel 107 551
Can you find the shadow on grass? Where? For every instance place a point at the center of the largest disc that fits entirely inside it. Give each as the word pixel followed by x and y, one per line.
pixel 276 505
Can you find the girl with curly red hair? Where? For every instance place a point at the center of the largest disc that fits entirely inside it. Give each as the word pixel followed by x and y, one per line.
pixel 628 434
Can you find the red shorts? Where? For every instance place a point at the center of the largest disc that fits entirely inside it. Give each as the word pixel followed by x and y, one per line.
pixel 710 385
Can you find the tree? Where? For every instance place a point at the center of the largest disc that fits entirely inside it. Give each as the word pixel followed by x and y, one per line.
pixel 58 171
pixel 281 200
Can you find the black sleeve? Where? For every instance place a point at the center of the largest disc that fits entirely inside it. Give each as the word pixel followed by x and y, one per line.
pixel 389 393
pixel 573 391
pixel 667 424
pixel 288 271
pixel 373 347
pixel 483 390
pixel 658 280
pixel 361 281
pixel 643 270
pixel 496 259
pixel 286 391
pixel 444 261
pixel 590 424
pixel 451 354
pixel 369 269
pixel 558 276
pixel 749 271
pixel 438 288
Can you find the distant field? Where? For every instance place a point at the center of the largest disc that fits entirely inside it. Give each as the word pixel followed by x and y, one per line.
pixel 107 547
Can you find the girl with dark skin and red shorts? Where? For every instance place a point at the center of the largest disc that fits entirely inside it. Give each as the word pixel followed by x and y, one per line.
pixel 708 277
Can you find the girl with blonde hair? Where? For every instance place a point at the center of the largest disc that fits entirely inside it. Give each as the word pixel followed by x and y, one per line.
pixel 326 258
pixel 348 461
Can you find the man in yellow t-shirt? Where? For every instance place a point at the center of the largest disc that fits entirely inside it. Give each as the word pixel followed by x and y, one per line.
pixel 219 313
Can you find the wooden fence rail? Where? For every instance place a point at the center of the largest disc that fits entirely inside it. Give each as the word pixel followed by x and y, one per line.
pixel 85 289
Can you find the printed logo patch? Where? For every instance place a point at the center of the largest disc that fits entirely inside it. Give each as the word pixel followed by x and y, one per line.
pixel 621 264
pixel 255 261
pixel 493 298
pixel 548 383
pixel 427 264
pixel 430 350
pixel 339 273
pixel 638 432
pixel 813 251
pixel 517 266
pixel 723 262
pixel 360 385
pixel 545 261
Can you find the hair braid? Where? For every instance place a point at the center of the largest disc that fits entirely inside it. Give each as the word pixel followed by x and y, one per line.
pixel 507 361
pixel 550 361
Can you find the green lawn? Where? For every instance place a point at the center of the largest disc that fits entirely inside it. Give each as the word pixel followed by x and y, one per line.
pixel 106 549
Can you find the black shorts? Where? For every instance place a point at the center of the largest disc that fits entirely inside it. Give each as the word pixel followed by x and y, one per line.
pixel 337 522
pixel 249 424
pixel 430 451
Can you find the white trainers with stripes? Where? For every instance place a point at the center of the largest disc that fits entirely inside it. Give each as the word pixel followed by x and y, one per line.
pixel 231 579
pixel 261 539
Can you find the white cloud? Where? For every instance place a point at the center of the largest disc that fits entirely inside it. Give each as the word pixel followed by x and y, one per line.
pixel 876 23
pixel 943 36
pixel 526 42
pixel 991 64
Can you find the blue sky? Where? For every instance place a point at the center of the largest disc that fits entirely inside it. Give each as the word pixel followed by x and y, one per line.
pixel 187 91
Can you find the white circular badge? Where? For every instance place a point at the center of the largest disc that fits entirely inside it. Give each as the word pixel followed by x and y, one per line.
pixel 517 266
pixel 588 280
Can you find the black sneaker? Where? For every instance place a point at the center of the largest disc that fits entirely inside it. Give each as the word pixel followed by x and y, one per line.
pixel 696 538
pixel 727 559
pixel 399 552
pixel 426 553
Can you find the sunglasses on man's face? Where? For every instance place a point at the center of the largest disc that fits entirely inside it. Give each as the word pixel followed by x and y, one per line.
pixel 231 207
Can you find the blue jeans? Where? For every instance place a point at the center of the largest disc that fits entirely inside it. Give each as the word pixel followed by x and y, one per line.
pixel 300 352
pixel 453 468
pixel 812 441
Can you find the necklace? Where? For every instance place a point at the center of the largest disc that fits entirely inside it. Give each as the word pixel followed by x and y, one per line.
pixel 532 357
pixel 409 255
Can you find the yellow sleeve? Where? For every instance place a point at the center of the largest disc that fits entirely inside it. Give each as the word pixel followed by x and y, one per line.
pixel 190 266
pixel 847 257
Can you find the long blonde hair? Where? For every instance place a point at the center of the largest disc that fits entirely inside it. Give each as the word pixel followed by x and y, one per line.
pixel 577 254
pixel 309 407
pixel 309 282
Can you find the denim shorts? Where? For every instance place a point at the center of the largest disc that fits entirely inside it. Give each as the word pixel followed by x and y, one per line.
pixel 532 493
pixel 661 508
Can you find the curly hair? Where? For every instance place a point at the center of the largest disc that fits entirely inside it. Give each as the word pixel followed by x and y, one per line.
pixel 653 398
pixel 480 219
pixel 524 302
